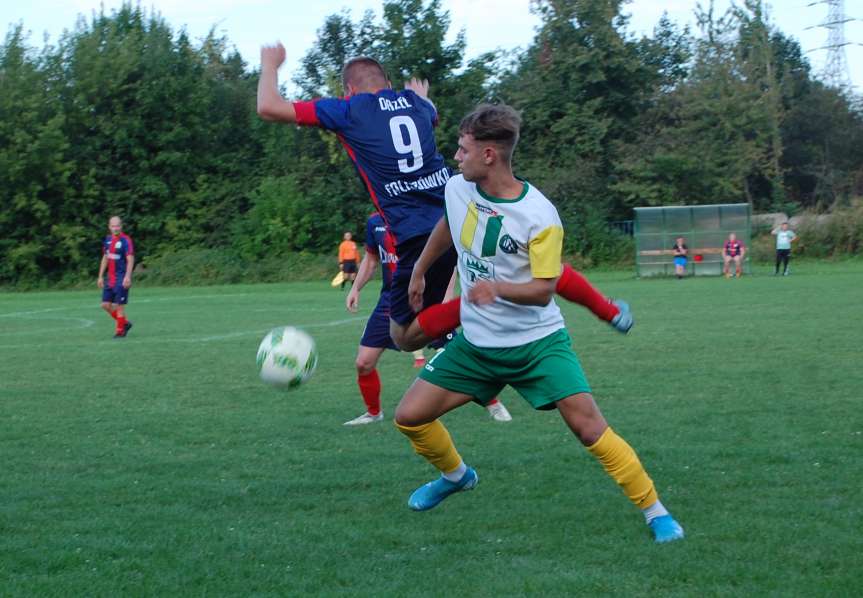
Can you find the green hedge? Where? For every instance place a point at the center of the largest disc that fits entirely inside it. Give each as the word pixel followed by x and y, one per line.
pixel 194 267
pixel 834 235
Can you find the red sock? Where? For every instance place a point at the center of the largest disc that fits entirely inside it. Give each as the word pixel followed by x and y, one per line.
pixel 121 323
pixel 370 388
pixel 440 318
pixel 574 287
pixel 494 401
pixel 113 314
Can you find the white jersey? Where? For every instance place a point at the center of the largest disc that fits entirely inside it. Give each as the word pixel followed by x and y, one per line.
pixel 784 238
pixel 511 240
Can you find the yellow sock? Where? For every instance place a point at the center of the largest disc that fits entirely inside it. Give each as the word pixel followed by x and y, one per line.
pixel 622 464
pixel 433 442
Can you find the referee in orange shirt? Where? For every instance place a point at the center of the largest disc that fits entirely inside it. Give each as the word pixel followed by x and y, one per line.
pixel 348 258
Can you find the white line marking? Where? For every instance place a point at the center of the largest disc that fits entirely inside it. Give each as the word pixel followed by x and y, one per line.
pixel 95 304
pixel 22 314
pixel 84 323
pixel 231 335
pixel 179 298
pixel 200 339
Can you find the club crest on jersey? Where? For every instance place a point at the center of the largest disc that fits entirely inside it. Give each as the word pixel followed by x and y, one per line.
pixel 118 245
pixel 508 245
pixel 477 269
pixel 401 103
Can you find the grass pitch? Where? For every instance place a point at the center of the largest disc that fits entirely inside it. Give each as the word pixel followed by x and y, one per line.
pixel 160 465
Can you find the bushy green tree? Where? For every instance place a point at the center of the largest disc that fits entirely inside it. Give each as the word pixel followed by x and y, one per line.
pixel 39 230
pixel 126 115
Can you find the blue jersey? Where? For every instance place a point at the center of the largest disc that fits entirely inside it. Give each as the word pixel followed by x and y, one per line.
pixel 389 136
pixel 116 249
pixel 380 241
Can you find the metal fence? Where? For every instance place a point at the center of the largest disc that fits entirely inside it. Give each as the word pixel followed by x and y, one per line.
pixel 624 227
pixel 704 229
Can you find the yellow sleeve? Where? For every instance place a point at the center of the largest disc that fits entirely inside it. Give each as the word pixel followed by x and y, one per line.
pixel 544 251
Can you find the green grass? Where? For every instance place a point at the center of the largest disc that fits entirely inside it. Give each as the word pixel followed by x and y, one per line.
pixel 160 465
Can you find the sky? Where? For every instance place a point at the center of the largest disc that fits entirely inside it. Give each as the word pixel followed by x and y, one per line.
pixel 250 23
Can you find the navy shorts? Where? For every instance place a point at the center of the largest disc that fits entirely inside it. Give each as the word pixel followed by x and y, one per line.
pixel 349 267
pixel 377 332
pixel 437 279
pixel 116 294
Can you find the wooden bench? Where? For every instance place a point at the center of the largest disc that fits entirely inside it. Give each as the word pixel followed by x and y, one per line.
pixel 691 252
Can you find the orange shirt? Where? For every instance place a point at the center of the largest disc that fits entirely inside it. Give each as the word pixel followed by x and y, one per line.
pixel 348 252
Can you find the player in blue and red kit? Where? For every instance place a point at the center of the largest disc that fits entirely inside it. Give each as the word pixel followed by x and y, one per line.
pixel 115 274
pixel 380 249
pixel 389 136
pixel 733 251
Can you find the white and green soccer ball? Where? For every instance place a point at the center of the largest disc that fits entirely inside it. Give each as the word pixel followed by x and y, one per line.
pixel 287 357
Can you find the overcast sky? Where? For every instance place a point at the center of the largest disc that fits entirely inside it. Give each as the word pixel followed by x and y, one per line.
pixel 489 24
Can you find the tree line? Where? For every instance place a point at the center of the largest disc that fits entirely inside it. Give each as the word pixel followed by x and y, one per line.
pixel 127 115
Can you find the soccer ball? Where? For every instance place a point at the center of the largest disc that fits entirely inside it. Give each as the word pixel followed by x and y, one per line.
pixel 287 357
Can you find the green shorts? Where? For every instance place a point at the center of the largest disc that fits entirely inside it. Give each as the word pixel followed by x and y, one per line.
pixel 542 372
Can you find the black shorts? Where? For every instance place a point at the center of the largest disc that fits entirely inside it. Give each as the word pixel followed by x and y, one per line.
pixel 115 294
pixel 377 332
pixel 349 267
pixel 437 279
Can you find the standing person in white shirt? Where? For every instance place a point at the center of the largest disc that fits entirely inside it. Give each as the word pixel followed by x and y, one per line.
pixel 784 237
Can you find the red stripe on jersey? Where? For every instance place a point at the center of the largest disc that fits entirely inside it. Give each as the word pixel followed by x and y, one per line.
pixel 306 114
pixel 365 177
pixel 390 247
pixel 130 247
pixel 112 264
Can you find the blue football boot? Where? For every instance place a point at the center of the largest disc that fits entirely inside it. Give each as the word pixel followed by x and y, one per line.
pixel 430 495
pixel 623 321
pixel 665 529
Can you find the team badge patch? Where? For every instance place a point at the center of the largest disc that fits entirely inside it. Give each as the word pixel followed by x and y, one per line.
pixel 477 269
pixel 508 245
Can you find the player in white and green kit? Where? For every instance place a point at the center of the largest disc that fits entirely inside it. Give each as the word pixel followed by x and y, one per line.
pixel 508 237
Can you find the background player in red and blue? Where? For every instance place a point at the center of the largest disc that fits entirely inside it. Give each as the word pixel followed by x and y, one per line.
pixel 115 274
pixel 389 136
pixel 733 251
pixel 380 249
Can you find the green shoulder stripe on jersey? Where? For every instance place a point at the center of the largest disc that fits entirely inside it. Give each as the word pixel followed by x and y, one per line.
pixel 485 195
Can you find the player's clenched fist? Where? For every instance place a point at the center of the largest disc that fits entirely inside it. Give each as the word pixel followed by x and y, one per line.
pixel 272 56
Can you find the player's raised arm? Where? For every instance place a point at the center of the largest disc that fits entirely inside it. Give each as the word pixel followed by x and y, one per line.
pixel 271 105
pixel 419 87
